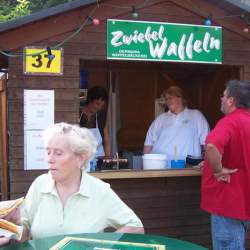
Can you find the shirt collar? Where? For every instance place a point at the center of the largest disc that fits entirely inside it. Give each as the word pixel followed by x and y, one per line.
pixel 84 190
pixel 240 110
pixel 85 186
pixel 49 187
pixel 182 112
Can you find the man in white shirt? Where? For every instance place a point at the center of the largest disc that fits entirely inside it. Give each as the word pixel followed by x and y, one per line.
pixel 179 132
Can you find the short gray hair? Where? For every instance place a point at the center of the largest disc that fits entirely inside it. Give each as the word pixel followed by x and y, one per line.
pixel 81 141
pixel 240 91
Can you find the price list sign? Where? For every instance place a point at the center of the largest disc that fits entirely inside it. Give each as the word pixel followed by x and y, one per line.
pixel 38 115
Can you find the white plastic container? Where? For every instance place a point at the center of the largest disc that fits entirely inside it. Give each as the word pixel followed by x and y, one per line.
pixel 154 161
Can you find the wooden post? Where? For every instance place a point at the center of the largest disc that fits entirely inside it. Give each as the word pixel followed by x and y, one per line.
pixel 3 139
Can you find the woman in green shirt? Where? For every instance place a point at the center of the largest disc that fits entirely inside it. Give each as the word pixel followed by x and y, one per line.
pixel 67 200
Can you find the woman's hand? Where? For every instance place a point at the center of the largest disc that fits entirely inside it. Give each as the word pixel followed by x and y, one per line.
pixel 126 229
pixel 4 240
pixel 14 216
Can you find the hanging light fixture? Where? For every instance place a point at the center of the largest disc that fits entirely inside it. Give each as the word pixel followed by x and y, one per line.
pixel 94 20
pixel 247 21
pixel 246 30
pixel 208 21
pixel 135 12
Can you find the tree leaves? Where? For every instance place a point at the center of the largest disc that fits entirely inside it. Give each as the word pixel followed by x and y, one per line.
pixel 12 9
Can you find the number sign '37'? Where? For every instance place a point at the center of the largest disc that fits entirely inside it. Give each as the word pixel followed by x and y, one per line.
pixel 38 61
pixel 153 41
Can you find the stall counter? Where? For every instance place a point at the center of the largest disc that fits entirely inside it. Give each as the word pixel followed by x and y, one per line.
pixel 128 174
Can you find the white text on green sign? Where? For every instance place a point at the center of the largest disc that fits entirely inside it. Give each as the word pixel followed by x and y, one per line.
pixel 134 40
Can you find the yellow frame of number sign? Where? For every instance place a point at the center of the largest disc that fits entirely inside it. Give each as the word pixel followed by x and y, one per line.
pixel 36 61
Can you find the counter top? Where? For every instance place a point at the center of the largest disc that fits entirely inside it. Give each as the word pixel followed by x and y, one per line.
pixel 128 173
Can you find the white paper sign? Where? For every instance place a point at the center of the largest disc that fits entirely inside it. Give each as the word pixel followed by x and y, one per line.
pixel 34 150
pixel 38 115
pixel 38 109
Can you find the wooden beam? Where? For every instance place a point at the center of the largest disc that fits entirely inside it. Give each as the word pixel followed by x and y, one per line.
pixel 3 140
pixel 168 78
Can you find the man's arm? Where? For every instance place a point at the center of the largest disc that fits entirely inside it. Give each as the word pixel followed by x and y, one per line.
pixel 214 159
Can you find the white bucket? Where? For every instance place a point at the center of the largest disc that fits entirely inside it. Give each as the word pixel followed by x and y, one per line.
pixel 154 161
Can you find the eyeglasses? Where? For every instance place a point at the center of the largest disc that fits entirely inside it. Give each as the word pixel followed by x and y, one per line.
pixel 68 128
pixel 226 96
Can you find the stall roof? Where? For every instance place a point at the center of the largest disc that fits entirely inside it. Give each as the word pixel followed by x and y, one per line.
pixel 245 5
pixel 44 24
pixel 37 16
pixel 237 5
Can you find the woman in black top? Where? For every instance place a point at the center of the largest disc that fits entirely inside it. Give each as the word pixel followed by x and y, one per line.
pixel 94 117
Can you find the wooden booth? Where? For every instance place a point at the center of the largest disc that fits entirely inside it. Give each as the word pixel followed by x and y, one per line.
pixel 166 201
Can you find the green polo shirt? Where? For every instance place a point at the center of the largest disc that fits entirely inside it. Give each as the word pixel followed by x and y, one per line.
pixel 93 208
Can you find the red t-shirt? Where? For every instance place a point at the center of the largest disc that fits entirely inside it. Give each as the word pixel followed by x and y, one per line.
pixel 231 136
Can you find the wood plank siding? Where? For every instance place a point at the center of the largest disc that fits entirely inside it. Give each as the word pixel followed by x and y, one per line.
pixel 167 206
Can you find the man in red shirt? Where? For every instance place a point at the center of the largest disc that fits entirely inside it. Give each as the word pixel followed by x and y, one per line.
pixel 226 174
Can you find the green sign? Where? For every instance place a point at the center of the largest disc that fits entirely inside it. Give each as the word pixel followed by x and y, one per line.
pixel 153 41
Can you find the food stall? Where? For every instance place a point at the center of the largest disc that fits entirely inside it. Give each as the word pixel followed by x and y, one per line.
pixel 166 200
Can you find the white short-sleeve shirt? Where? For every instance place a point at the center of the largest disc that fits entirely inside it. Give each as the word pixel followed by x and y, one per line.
pixel 178 135
pixel 93 208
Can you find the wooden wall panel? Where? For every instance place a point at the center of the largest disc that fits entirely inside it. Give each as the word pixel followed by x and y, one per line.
pixel 137 107
pixel 66 104
pixel 167 206
pixel 4 168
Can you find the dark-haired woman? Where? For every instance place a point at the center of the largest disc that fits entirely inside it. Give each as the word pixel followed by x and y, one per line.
pixel 94 116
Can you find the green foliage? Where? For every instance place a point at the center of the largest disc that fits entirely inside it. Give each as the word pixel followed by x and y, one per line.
pixel 12 9
pixel 37 5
